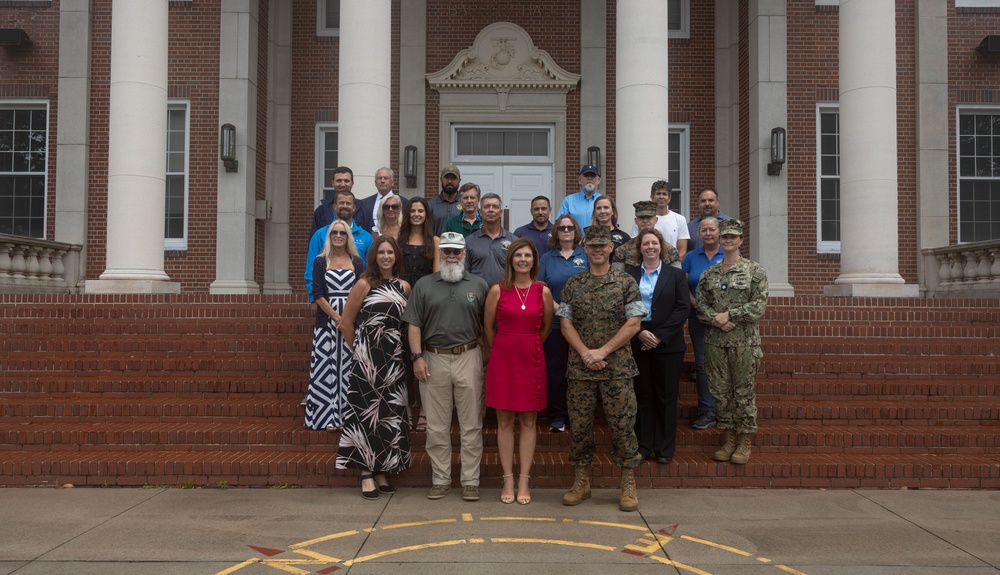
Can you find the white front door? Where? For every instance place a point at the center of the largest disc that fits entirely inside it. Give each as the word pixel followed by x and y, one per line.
pixel 516 185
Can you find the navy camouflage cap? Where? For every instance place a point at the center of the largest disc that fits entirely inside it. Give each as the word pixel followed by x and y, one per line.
pixel 730 227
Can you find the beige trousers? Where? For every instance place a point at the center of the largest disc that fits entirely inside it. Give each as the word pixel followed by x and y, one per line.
pixel 454 381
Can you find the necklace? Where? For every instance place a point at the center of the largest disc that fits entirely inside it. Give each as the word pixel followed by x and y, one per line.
pixel 525 297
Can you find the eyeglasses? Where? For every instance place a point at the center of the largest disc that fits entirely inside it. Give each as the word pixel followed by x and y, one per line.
pixel 451 251
pixel 388 207
pixel 338 233
pixel 566 228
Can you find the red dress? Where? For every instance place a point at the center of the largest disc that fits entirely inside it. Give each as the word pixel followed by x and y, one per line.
pixel 515 376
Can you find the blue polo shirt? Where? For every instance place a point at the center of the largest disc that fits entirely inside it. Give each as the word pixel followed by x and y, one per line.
pixel 579 206
pixel 540 237
pixel 554 270
pixel 695 264
pixel 362 241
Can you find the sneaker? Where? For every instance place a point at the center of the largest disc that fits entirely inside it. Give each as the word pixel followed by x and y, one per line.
pixel 438 491
pixel 470 493
pixel 703 422
pixel 557 426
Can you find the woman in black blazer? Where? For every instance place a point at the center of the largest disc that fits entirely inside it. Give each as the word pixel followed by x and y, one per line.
pixel 659 347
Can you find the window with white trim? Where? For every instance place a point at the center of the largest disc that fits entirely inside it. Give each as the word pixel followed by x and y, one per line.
pixel 23 168
pixel 327 146
pixel 176 197
pixel 678 168
pixel 678 18
pixel 977 3
pixel 828 179
pixel 978 174
pixel 328 17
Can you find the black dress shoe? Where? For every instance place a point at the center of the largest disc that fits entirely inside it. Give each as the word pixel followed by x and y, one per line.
pixel 384 488
pixel 663 460
pixel 370 495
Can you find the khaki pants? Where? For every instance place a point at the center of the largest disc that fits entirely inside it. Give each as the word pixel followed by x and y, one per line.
pixel 455 380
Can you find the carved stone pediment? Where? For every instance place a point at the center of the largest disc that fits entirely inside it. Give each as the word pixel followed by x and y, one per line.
pixel 503 57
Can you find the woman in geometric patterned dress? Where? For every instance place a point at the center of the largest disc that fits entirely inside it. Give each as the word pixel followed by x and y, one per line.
pixel 339 266
pixel 376 435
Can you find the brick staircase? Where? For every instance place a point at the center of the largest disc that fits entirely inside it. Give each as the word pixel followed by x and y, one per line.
pixel 199 389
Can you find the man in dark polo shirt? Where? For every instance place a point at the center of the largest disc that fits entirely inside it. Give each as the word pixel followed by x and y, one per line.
pixel 487 246
pixel 539 229
pixel 445 313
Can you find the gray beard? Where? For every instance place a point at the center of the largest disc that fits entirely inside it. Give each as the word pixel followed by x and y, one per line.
pixel 452 273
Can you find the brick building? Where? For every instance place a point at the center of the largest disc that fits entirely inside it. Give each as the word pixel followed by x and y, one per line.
pixel 518 94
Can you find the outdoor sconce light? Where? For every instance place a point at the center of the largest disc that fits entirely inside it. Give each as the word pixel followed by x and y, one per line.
pixel 777 152
pixel 227 147
pixel 594 156
pixel 410 165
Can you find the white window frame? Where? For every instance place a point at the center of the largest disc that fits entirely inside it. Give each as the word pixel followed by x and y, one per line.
pixel 977 3
pixel 684 191
pixel 684 32
pixel 321 29
pixel 828 2
pixel 38 104
pixel 471 159
pixel 180 244
pixel 959 112
pixel 321 129
pixel 823 247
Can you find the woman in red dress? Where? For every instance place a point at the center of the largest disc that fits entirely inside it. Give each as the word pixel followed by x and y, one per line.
pixel 517 320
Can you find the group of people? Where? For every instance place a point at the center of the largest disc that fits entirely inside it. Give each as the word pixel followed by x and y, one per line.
pixel 425 308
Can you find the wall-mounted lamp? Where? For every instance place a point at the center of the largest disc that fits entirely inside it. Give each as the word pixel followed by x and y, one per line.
pixel 410 165
pixel 777 152
pixel 594 156
pixel 227 147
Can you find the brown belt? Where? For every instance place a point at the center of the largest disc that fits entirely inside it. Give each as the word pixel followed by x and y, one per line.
pixel 452 350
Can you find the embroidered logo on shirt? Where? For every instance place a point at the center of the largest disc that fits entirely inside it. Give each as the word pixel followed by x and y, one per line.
pixel 471 297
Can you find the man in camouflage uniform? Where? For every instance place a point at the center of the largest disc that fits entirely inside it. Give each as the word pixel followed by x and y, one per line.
pixel 645 219
pixel 600 312
pixel 732 295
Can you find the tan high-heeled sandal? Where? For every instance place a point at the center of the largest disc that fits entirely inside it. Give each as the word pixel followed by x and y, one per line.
pixel 523 499
pixel 504 498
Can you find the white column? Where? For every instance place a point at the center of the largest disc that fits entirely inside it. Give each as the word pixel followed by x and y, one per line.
pixel 593 91
pixel 768 223
pixel 413 92
pixel 279 138
pixel 363 113
pixel 869 232
pixel 727 107
pixel 136 150
pixel 642 123
pixel 73 143
pixel 236 200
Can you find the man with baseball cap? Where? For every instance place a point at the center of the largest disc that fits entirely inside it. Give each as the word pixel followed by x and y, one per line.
pixel 626 256
pixel 445 205
pixel 445 313
pixel 580 205
pixel 601 310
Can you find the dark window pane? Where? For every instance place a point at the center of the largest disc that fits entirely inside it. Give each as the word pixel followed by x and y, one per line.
pixel 332 14
pixel 967 146
pixel 828 122
pixel 829 166
pixel 38 121
pixel 464 144
pixel 22 120
pixel 6 120
pixel 674 17
pixel 6 162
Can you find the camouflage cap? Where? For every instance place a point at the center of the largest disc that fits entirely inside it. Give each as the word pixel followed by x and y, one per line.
pixel 597 235
pixel 730 227
pixel 644 208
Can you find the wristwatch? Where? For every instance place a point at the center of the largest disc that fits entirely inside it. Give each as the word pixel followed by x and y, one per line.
pixel 416 356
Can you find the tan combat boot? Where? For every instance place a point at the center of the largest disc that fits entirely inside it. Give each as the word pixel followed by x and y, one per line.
pixel 728 446
pixel 580 489
pixel 628 501
pixel 742 454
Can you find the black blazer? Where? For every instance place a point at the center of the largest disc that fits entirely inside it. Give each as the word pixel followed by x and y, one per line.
pixel 363 211
pixel 671 306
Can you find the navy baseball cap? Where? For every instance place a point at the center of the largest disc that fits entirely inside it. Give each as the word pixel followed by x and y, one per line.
pixel 590 169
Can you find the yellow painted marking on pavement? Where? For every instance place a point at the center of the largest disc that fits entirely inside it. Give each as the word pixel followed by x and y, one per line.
pixel 317 555
pixel 466 517
pixel 567 520
pixel 370 529
pixel 651 546
pixel 763 560
pixel 286 568
pixel 549 519
pixel 322 539
pixel 418 523
pixel 621 525
pixel 789 570
pixel 718 546
pixel 551 542
pixel 404 550
pixel 477 540
pixel 679 565
pixel 236 568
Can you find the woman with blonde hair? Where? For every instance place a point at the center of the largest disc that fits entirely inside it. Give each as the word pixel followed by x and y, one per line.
pixel 390 216
pixel 606 214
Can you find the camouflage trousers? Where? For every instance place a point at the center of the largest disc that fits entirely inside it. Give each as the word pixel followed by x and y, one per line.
pixel 731 372
pixel 618 397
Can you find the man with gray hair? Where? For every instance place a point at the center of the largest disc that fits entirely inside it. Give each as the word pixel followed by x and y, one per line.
pixel 445 317
pixel 367 212
pixel 487 246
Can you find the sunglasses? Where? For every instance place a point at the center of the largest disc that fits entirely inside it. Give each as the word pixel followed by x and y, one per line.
pixel 338 233
pixel 566 228
pixel 451 251
pixel 388 207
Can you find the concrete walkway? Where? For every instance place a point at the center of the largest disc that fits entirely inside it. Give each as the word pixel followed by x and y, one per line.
pixel 113 531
